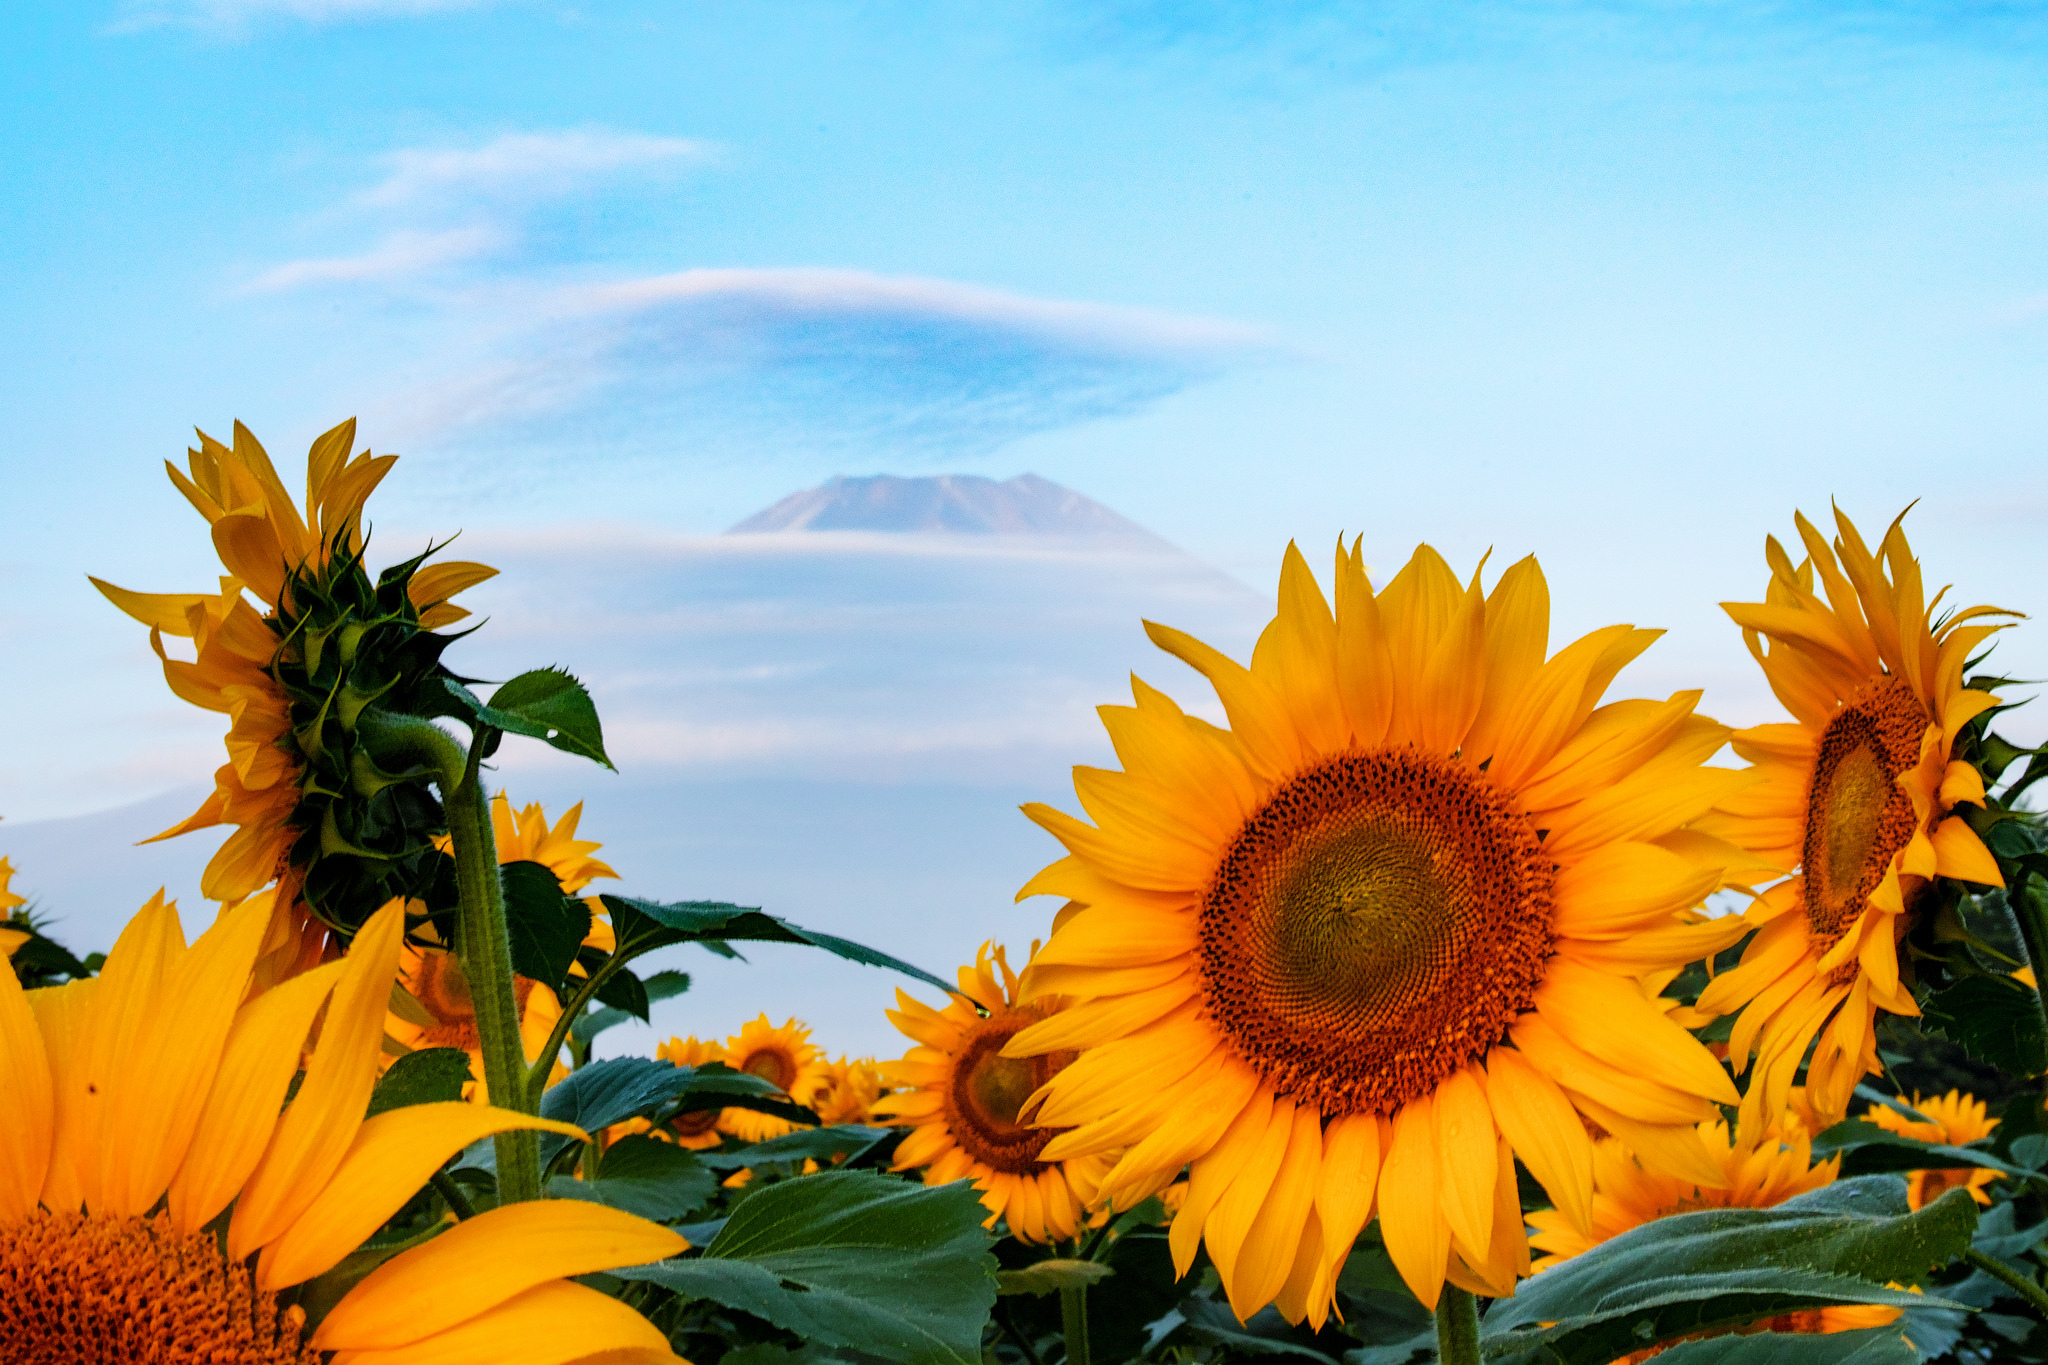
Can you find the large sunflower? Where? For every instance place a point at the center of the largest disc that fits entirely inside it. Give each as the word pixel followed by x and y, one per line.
pixel 433 975
pixel 1402 923
pixel 1955 1119
pixel 165 1187
pixel 962 1096
pixel 266 544
pixel 1856 792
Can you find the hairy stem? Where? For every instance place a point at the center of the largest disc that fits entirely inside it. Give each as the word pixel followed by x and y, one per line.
pixel 2012 1278
pixel 452 1195
pixel 1457 1327
pixel 1074 1319
pixel 485 947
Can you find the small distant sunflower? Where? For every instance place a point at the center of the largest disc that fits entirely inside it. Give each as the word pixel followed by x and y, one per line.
pixel 10 939
pixel 783 1056
pixel 961 1098
pixel 289 670
pixel 700 1128
pixel 162 1181
pixel 1757 1174
pixel 849 1093
pixel 1858 793
pixel 434 976
pixel 1956 1119
pixel 1404 922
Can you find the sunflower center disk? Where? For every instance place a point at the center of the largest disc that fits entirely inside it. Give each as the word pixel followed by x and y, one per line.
pixel 1376 926
pixel 988 1089
pixel 1857 817
pixel 79 1290
pixel 777 1068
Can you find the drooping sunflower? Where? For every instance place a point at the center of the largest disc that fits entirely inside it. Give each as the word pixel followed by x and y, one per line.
pixel 1955 1118
pixel 434 977
pixel 1858 793
pixel 292 671
pixel 961 1095
pixel 149 1101
pixel 786 1058
pixel 1402 923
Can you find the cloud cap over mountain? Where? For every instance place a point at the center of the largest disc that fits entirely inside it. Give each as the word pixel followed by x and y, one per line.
pixel 952 504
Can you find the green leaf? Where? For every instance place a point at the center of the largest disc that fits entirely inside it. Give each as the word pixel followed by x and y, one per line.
pixel 1724 1268
pixel 1266 1333
pixel 546 927
pixel 1996 1019
pixel 644 1175
pixel 1872 1346
pixel 1051 1276
pixel 811 1144
pixel 609 1092
pixel 660 986
pixel 430 1076
pixel 546 704
pixel 1877 1149
pixel 856 1260
pixel 656 925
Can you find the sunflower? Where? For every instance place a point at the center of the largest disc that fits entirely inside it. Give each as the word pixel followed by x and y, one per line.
pixel 1756 1174
pixel 783 1056
pixel 268 547
pixel 960 1096
pixel 433 976
pixel 1955 1119
pixel 852 1087
pixel 700 1128
pixel 165 1187
pixel 1858 793
pixel 10 939
pixel 1402 923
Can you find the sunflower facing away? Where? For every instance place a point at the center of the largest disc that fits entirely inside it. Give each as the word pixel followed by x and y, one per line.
pixel 433 976
pixel 783 1056
pixel 263 541
pixel 961 1096
pixel 1955 1119
pixel 1857 792
pixel 155 1202
pixel 1402 923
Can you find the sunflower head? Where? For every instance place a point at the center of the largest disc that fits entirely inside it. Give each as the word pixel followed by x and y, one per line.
pixel 964 1099
pixel 852 1086
pixel 1401 924
pixel 322 645
pixel 1955 1119
pixel 1856 797
pixel 785 1057
pixel 699 1128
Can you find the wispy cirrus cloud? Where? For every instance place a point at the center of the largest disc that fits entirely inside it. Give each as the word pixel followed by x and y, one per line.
pixel 399 254
pixel 833 359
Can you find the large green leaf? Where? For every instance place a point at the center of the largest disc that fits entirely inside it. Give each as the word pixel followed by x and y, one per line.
pixel 643 925
pixel 1996 1019
pixel 1725 1268
pixel 1868 1149
pixel 647 1176
pixel 546 704
pixel 809 1144
pixel 621 1088
pixel 856 1260
pixel 545 926
pixel 1873 1346
pixel 428 1076
pixel 660 986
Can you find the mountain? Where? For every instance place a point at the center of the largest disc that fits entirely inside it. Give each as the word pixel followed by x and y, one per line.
pixel 952 504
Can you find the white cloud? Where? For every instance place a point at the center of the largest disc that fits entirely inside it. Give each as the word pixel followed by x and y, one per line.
pixel 522 165
pixel 401 253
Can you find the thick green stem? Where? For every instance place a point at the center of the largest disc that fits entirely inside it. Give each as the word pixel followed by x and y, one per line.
pixel 1457 1327
pixel 2017 1281
pixel 485 947
pixel 1074 1318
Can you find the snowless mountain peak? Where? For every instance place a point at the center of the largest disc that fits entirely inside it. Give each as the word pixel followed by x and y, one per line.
pixel 951 504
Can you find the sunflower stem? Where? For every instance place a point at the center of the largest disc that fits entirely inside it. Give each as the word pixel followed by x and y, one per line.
pixel 2016 1280
pixel 1457 1327
pixel 1074 1319
pixel 485 946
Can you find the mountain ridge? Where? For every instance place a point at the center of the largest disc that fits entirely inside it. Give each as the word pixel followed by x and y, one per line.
pixel 952 505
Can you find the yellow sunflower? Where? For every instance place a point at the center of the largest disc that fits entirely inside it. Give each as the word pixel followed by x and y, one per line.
pixel 434 976
pixel 783 1056
pixel 10 939
pixel 262 539
pixel 163 1187
pixel 1857 793
pixel 851 1088
pixel 961 1097
pixel 1402 923
pixel 1955 1118
pixel 699 1129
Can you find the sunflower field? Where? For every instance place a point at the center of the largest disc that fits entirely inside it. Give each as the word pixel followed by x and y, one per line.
pixel 1449 1003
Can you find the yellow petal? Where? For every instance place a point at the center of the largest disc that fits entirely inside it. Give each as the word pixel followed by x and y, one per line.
pixel 1411 1215
pixel 1545 1132
pixel 1465 1158
pixel 1962 855
pixel 553 1323
pixel 1210 1175
pixel 25 1081
pixel 1610 1019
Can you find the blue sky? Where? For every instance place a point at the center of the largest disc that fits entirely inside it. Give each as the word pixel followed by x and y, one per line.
pixel 1622 284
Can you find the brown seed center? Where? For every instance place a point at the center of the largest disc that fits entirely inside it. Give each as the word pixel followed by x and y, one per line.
pixel 1857 817
pixel 772 1065
pixel 82 1290
pixel 988 1089
pixel 1376 926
